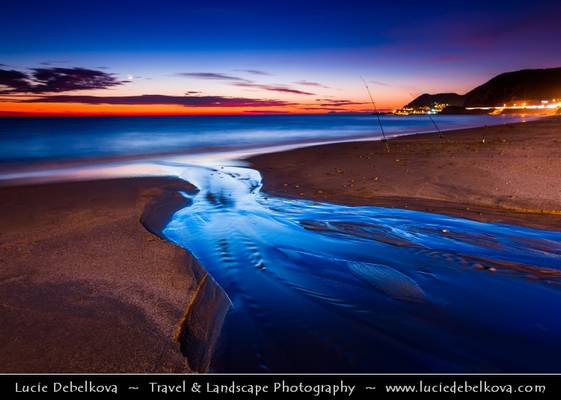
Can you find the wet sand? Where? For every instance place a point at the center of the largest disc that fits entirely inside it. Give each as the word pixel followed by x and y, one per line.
pixel 85 287
pixel 507 173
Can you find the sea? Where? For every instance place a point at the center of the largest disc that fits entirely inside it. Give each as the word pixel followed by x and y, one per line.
pixel 66 138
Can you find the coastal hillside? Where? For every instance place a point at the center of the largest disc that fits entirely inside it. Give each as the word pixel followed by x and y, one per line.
pixel 532 85
pixel 427 100
pixel 525 85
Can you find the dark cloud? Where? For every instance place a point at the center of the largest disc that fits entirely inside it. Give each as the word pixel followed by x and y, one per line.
pixel 14 81
pixel 272 88
pixel 255 72
pixel 333 100
pixel 337 103
pixel 212 76
pixel 348 103
pixel 246 83
pixel 313 84
pixel 328 109
pixel 147 99
pixel 317 108
pixel 266 112
pixel 49 63
pixel 55 80
pixel 189 92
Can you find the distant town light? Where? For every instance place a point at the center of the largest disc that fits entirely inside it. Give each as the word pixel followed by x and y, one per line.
pixel 437 108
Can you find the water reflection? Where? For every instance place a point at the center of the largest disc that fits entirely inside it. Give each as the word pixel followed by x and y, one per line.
pixel 324 287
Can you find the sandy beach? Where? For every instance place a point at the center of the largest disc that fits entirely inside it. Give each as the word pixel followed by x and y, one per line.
pixel 85 287
pixel 508 173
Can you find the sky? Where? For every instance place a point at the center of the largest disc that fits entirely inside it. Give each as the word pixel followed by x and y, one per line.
pixel 107 57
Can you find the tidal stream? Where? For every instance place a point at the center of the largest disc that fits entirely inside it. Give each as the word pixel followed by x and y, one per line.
pixel 319 287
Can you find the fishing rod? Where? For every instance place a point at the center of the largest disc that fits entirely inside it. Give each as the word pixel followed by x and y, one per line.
pixel 435 125
pixel 377 114
pixel 430 117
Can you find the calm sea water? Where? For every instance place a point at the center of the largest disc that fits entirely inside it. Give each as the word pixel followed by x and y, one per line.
pixel 39 139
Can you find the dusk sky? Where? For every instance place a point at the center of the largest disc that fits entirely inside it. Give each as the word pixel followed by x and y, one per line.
pixel 187 57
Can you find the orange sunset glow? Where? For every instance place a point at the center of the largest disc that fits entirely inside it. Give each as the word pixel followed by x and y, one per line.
pixel 78 109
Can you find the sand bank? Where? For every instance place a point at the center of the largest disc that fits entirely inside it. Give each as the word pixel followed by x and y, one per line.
pixel 508 173
pixel 86 288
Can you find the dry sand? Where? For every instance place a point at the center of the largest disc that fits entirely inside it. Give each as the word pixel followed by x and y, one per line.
pixel 509 173
pixel 85 287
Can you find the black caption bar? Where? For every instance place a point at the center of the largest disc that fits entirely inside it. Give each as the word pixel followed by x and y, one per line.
pixel 208 386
